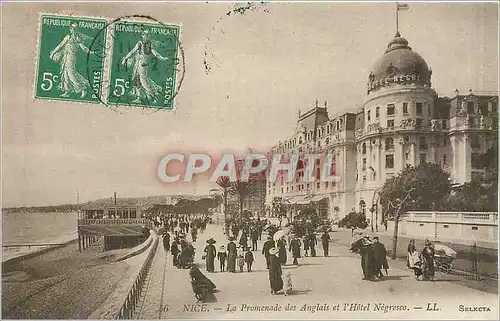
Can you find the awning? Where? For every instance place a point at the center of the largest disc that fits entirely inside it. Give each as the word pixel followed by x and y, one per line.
pixel 298 200
pixel 292 200
pixel 303 201
pixel 318 198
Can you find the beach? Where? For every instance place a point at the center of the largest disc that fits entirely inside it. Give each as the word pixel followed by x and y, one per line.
pixel 58 282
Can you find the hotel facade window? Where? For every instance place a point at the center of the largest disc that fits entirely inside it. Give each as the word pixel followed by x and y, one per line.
pixel 423 158
pixel 389 144
pixel 422 142
pixel 418 107
pixel 389 161
pixel 405 108
pixel 390 123
pixel 369 115
pixel 391 110
pixel 377 112
pixel 470 107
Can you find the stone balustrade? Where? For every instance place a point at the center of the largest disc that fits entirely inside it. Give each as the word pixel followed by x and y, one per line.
pixel 481 218
pixel 113 221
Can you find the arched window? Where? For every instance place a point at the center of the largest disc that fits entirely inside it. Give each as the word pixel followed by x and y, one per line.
pixel 327 141
pixel 389 144
pixel 363 149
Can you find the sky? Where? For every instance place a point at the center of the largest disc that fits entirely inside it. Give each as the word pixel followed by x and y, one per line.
pixel 266 65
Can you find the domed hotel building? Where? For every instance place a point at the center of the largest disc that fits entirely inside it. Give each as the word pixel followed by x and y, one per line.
pixel 402 122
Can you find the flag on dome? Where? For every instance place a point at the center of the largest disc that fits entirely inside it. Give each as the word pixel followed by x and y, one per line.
pixel 402 6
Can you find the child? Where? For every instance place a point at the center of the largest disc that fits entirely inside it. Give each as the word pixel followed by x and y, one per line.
pixel 288 284
pixel 241 262
pixel 222 256
pixel 249 259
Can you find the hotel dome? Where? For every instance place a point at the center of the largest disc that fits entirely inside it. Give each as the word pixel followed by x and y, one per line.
pixel 400 59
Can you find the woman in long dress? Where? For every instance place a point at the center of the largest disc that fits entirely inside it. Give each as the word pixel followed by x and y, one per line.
pixel 427 257
pixel 231 255
pixel 210 254
pixel 282 251
pixel 275 271
pixel 140 58
pixel 70 80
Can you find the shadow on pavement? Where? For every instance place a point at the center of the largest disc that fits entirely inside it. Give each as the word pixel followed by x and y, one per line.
pixel 393 277
pixel 309 264
pixel 446 280
pixel 300 292
pixel 211 298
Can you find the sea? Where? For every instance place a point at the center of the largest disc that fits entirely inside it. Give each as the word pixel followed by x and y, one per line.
pixel 20 229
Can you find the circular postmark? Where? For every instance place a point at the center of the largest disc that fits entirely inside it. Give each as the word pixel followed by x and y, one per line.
pixel 144 63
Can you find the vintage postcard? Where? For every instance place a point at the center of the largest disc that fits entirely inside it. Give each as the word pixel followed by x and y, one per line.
pixel 249 160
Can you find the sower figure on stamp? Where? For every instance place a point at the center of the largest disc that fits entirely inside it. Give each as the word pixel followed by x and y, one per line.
pixel 140 59
pixel 70 80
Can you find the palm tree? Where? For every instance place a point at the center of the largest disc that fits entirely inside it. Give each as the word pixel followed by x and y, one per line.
pixel 224 184
pixel 242 190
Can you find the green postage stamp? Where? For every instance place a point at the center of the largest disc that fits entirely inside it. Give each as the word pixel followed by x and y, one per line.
pixel 143 64
pixel 67 68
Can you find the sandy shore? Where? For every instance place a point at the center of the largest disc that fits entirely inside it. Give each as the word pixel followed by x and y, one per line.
pixel 61 284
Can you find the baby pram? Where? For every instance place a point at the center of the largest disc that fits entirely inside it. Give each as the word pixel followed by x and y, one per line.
pixel 443 258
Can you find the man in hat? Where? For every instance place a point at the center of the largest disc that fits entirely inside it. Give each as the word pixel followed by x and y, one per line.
pixel 380 257
pixel 325 241
pixel 166 242
pixel 295 249
pixel 254 234
pixel 269 244
pixel 174 249
pixel 210 254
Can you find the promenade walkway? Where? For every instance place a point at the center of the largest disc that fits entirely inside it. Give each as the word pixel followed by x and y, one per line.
pixel 324 287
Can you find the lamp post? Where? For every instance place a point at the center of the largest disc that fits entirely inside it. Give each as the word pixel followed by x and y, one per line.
pixel 372 209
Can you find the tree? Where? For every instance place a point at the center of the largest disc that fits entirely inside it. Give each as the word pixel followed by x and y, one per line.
pixel 310 217
pixel 353 221
pixel 279 208
pixel 481 193
pixel 224 183
pixel 422 187
pixel 242 190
